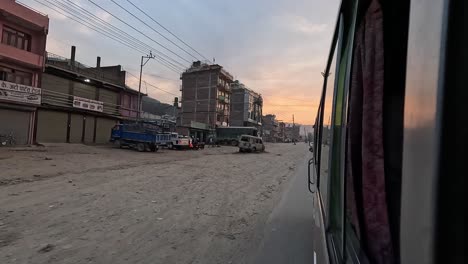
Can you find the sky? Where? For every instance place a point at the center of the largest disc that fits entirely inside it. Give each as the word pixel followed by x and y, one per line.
pixel 275 47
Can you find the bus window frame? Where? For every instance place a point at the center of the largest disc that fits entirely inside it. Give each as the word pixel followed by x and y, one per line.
pixel 319 118
pixel 348 246
pixel 334 51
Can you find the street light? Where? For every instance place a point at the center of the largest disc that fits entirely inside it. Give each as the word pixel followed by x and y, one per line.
pixel 147 57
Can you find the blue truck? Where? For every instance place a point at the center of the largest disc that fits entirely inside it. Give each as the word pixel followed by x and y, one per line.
pixel 139 136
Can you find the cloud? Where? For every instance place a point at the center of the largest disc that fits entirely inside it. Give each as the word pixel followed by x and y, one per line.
pixel 104 16
pixel 299 24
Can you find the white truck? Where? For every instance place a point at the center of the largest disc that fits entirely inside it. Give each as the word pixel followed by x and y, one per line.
pixel 179 142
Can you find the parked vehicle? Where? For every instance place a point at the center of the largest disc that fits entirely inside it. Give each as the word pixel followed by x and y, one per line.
pixel 181 142
pixel 134 136
pixel 230 135
pixel 249 143
pixel 165 139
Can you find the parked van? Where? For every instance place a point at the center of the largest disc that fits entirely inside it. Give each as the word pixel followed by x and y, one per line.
pixel 250 144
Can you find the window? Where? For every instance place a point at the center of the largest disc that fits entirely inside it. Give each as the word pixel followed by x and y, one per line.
pixel 331 144
pixel 15 76
pixel 16 38
pixel 325 130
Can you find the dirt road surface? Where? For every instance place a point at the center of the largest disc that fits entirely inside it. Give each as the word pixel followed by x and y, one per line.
pixel 70 203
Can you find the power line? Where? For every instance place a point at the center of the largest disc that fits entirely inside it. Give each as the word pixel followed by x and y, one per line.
pixel 116 17
pixel 130 13
pixel 128 45
pixel 152 85
pixel 119 33
pixel 154 20
pixel 163 78
pixel 71 11
pixel 118 30
pixel 111 35
pixel 84 24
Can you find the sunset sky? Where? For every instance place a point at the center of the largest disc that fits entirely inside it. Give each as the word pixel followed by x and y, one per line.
pixel 275 47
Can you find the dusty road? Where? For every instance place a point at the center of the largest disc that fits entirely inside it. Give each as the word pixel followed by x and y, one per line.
pixel 82 204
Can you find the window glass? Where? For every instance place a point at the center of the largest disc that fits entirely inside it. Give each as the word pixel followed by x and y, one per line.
pixel 336 174
pixel 12 41
pixel 336 222
pixel 326 133
pixel 5 38
pixel 16 38
pixel 19 44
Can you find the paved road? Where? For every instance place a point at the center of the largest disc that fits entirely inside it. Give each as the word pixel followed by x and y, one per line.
pixel 288 234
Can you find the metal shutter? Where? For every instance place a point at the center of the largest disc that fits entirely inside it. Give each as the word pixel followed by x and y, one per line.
pixel 103 129
pixel 16 123
pixel 89 129
pixel 51 126
pixel 76 128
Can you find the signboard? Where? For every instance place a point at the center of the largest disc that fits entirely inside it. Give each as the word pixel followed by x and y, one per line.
pixel 20 93
pixel 88 104
pixel 198 125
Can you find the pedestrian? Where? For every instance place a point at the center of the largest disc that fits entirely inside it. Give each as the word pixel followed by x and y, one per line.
pixel 210 141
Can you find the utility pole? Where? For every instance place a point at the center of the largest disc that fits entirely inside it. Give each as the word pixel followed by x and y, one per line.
pixel 147 57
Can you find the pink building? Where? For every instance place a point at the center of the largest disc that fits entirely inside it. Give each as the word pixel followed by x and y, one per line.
pixel 129 103
pixel 22 50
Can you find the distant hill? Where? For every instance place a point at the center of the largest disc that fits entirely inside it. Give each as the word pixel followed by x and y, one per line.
pixel 154 106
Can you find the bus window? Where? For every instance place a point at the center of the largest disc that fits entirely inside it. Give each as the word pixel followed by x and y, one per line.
pixel 325 130
pixel 334 134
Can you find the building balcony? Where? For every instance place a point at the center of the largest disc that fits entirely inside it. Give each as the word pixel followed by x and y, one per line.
pixel 224 87
pixel 227 74
pixel 21 56
pixel 26 17
pixel 258 101
pixel 223 99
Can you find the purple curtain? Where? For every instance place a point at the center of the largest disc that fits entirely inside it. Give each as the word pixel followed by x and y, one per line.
pixel 367 205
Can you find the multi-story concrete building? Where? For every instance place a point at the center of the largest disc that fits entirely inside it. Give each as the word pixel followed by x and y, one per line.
pixel 281 131
pixel 270 128
pixel 292 132
pixel 80 104
pixel 246 106
pixel 206 95
pixel 22 49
